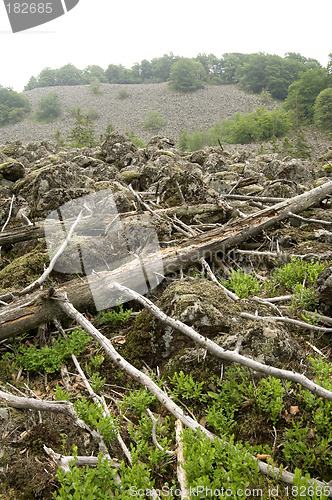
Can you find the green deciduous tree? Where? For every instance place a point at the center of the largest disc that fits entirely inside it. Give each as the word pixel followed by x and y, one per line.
pixel 68 75
pixel 47 78
pixel 212 65
pixel 232 66
pixel 323 109
pixel 90 73
pixel 13 106
pixel 161 67
pixel 118 74
pixel 187 76
pixel 329 70
pixel 302 94
pixel 272 72
pixel 146 70
pixel 49 108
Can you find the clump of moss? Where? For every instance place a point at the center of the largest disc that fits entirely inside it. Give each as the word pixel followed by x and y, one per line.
pixel 23 270
pixel 139 343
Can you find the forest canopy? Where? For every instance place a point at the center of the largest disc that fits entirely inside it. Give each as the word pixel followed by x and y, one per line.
pixel 254 72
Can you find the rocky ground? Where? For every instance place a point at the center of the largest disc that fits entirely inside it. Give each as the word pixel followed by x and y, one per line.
pixel 197 111
pixel 203 190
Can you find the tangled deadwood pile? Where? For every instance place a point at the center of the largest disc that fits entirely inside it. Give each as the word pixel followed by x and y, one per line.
pixel 160 230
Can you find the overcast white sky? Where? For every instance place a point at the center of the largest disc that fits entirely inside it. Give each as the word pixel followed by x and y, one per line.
pixel 126 31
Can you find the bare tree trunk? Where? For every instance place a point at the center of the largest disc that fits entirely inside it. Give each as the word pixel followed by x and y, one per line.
pixel 28 313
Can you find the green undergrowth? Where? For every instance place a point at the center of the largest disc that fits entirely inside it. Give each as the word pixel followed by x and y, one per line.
pixel 242 283
pixel 114 316
pixel 294 429
pixel 250 415
pixel 49 358
pixel 242 128
pixel 298 277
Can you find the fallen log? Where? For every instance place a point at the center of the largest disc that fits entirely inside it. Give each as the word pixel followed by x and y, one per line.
pixel 23 233
pixel 26 233
pixel 25 314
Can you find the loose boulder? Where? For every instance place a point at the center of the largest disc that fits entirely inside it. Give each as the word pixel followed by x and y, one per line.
pixel 324 286
pixel 12 170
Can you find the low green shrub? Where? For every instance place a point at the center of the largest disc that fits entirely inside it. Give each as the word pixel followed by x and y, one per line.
pixel 49 108
pixel 305 298
pixel 13 106
pixel 92 114
pixel 270 393
pixel 113 316
pixel 92 414
pixel 82 134
pixel 243 284
pixel 94 86
pixel 261 125
pixel 297 271
pixel 123 94
pixel 139 143
pixel 153 120
pixel 50 358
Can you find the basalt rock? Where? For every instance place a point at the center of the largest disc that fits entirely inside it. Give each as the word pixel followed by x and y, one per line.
pixel 48 187
pixel 117 150
pixel 12 170
pixel 324 286
pixel 187 186
pixel 200 304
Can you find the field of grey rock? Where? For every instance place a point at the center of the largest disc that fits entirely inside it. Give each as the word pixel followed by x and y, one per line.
pixel 195 111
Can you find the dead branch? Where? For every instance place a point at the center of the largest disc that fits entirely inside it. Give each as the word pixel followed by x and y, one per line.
pixel 33 286
pixel 23 403
pixel 180 192
pixel 64 461
pixel 214 279
pixel 263 199
pixel 162 397
pixel 154 433
pixel 23 233
pixel 311 221
pixel 283 256
pixel 181 473
pixel 283 319
pixel 100 401
pixel 219 352
pixel 281 298
pixel 31 232
pixel 9 213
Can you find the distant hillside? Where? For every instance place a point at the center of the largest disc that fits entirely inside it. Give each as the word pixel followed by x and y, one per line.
pixel 195 111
